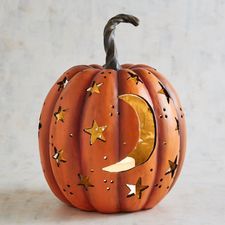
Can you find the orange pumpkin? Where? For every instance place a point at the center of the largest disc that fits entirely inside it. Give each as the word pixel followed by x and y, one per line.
pixel 112 138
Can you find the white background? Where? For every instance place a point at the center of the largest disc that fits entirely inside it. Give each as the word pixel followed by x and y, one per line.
pixel 184 39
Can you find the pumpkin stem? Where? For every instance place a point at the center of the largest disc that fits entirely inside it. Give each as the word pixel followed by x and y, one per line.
pixel 109 42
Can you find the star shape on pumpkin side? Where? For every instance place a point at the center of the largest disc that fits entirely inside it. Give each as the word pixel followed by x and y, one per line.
pixel 177 125
pixel 85 182
pixel 95 132
pixel 134 76
pixel 163 91
pixel 58 156
pixel 61 84
pixel 173 166
pixel 94 88
pixel 39 125
pixel 60 114
pixel 136 189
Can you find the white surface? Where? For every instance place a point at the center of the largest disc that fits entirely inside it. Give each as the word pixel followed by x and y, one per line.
pixel 183 39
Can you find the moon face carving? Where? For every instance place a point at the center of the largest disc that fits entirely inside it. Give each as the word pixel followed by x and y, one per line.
pixel 147 135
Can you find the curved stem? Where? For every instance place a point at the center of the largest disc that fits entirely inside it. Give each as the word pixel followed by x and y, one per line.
pixel 109 42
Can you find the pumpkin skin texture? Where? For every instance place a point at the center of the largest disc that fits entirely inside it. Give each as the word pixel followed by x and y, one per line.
pixel 85 127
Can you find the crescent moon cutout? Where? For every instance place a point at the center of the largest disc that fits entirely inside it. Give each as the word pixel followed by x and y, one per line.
pixel 147 135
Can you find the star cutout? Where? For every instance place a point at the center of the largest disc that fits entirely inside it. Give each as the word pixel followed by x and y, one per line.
pixel 39 123
pixel 178 125
pixel 60 114
pixel 164 92
pixel 134 76
pixel 39 127
pixel 58 156
pixel 62 83
pixel 84 181
pixel 136 189
pixel 173 167
pixel 96 132
pixel 94 88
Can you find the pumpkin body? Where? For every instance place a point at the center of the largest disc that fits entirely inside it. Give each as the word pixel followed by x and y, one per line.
pixel 86 99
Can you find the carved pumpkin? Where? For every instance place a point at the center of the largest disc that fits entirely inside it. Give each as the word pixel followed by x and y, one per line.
pixel 112 138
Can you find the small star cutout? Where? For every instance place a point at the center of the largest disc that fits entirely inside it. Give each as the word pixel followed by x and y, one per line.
pixel 62 83
pixel 58 156
pixel 164 92
pixel 134 76
pixel 178 126
pixel 96 132
pixel 94 88
pixel 173 167
pixel 84 181
pixel 39 126
pixel 60 114
pixel 136 189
